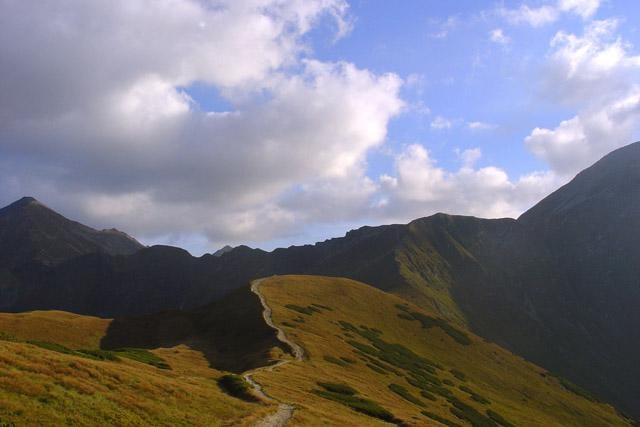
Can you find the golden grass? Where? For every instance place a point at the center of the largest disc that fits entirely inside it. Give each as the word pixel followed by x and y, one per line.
pixel 71 330
pixel 41 387
pixel 518 390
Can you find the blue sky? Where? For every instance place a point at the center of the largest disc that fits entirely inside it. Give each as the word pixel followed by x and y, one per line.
pixel 274 123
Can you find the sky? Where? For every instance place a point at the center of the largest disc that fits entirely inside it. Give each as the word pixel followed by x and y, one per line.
pixel 269 123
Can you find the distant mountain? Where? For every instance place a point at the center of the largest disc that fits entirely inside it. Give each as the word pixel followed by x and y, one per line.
pixel 30 231
pixel 560 285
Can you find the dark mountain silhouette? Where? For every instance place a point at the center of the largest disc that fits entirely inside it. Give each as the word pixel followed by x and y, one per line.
pixel 30 231
pixel 560 285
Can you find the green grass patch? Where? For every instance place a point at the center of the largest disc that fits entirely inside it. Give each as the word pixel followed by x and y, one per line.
pixel 358 404
pixel 236 386
pixel 338 388
pixel 377 369
pixel 4 336
pixel 405 394
pixel 143 356
pixel 459 375
pixel 433 322
pixel 498 418
pixel 323 307
pixel 348 360
pixel 309 310
pixel 468 413
pixel 440 419
pixel 474 396
pixel 335 361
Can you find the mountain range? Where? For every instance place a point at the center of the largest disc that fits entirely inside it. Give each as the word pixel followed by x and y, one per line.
pixel 559 286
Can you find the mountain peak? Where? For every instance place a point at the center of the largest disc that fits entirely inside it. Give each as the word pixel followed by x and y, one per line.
pixel 23 202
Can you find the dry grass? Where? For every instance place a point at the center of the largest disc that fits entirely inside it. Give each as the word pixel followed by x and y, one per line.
pixel 71 330
pixel 41 387
pixel 516 389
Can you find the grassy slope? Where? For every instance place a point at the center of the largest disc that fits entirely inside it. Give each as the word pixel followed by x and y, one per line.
pixel 520 391
pixel 41 387
pixel 69 329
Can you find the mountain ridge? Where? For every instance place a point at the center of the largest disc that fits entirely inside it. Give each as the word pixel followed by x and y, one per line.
pixel 557 285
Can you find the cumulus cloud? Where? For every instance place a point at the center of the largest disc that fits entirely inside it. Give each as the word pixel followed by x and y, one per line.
pixel 95 118
pixel 421 186
pixel 597 73
pixel 548 13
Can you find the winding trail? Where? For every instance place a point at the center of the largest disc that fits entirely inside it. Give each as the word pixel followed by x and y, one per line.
pixel 285 410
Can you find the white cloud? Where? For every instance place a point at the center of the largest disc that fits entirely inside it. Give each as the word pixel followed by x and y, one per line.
pixel 421 187
pixel 550 12
pixel 497 36
pixel 441 123
pixel 446 27
pixel 95 121
pixel 480 126
pixel 597 74
pixel 576 143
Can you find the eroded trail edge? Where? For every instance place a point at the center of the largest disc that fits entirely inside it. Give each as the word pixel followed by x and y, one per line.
pixel 285 410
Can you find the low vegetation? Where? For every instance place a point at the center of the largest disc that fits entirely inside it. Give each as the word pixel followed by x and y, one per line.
pixel 347 396
pixel 236 386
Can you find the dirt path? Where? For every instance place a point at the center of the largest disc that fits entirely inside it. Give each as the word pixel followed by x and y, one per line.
pixel 281 417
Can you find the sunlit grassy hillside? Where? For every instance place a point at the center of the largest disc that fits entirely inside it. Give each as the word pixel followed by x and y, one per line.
pixel 43 387
pixel 371 356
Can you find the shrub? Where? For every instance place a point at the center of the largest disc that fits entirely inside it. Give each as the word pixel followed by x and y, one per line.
pixel 431 322
pixel 498 418
pixel 377 369
pixel 335 361
pixel 404 393
pixel 466 412
pixel 236 386
pixel 324 307
pixel 459 375
pixel 338 388
pixel 144 356
pixel 309 310
pixel 359 404
pixel 100 355
pixel 440 419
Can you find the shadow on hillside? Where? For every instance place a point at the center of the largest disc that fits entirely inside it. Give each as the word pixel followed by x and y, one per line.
pixel 231 332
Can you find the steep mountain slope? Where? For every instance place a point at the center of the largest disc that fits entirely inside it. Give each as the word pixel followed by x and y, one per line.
pixel 369 357
pixel 414 365
pixel 31 231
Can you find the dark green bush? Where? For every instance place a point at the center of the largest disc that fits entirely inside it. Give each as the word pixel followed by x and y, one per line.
pixel 459 375
pixel 335 361
pixel 338 388
pixel 440 419
pixel 466 412
pixel 236 386
pixel 432 322
pixel 406 394
pixel 144 356
pixel 304 310
pixel 498 418
pixel 359 404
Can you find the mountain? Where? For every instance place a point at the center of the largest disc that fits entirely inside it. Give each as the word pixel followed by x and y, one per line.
pixel 30 231
pixel 559 285
pixel 363 357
